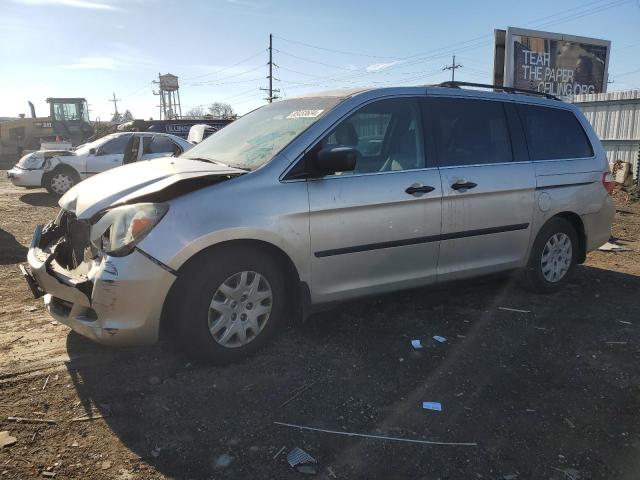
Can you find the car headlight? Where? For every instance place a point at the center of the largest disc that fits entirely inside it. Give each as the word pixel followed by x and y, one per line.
pixel 121 228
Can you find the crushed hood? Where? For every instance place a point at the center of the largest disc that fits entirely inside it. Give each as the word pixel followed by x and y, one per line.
pixel 142 180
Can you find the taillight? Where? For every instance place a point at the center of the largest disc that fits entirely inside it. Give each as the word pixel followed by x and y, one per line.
pixel 608 182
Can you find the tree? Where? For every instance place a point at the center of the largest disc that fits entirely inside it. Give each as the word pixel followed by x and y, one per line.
pixel 221 110
pixel 195 112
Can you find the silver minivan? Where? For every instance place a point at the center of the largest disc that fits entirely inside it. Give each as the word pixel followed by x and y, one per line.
pixel 319 199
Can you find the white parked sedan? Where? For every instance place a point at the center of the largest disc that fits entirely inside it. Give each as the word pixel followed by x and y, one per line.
pixel 58 171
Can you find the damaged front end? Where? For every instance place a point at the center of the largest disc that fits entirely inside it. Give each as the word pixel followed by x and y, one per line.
pixel 87 262
pixel 111 295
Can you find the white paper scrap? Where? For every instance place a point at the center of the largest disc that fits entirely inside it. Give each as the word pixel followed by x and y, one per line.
pixel 440 339
pixel 416 344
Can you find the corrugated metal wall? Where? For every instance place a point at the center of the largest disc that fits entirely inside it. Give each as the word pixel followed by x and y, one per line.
pixel 615 116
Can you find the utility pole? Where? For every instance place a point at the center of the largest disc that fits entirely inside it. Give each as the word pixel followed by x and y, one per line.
pixel 115 105
pixel 271 91
pixel 452 67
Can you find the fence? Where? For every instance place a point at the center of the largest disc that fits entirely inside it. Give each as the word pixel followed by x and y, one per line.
pixel 615 116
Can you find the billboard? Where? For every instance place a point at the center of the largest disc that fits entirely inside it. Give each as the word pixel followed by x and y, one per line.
pixel 554 63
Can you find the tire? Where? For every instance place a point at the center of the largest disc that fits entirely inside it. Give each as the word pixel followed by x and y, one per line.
pixel 550 274
pixel 205 297
pixel 60 181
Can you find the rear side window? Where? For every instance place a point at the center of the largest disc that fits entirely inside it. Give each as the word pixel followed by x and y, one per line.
pixel 469 132
pixel 553 133
pixel 161 145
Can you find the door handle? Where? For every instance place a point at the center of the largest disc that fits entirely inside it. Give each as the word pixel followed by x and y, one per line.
pixel 413 189
pixel 462 185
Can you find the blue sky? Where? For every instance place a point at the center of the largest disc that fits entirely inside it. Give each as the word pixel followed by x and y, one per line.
pixel 93 48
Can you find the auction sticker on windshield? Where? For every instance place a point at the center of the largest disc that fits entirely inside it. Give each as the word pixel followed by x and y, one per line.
pixel 305 114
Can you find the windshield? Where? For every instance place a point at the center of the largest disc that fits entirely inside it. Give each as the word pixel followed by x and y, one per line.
pixel 253 140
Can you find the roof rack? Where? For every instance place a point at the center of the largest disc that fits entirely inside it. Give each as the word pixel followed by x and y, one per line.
pixel 497 87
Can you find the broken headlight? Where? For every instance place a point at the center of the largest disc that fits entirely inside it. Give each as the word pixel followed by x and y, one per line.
pixel 32 161
pixel 121 228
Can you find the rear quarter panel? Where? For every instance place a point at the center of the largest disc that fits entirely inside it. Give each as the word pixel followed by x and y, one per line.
pixel 575 185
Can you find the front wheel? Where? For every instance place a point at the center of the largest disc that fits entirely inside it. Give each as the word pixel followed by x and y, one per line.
pixel 553 258
pixel 229 304
pixel 60 181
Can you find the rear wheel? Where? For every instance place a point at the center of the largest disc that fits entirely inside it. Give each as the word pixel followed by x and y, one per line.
pixel 554 256
pixel 229 304
pixel 60 181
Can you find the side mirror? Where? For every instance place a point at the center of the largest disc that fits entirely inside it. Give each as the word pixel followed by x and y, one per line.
pixel 336 159
pixel 92 151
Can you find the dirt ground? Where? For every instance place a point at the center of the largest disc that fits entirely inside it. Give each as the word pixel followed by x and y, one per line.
pixel 549 394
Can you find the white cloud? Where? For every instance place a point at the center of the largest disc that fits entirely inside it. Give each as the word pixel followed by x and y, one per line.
pixel 378 67
pixel 88 4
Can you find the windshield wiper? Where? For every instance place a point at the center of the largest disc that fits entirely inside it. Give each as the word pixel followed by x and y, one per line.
pixel 201 159
pixel 209 160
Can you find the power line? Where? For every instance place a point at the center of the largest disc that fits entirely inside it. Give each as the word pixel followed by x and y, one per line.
pixel 227 67
pixel 336 51
pixel 227 77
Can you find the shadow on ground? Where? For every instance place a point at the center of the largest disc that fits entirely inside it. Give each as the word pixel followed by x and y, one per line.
pixel 12 251
pixel 539 392
pixel 39 199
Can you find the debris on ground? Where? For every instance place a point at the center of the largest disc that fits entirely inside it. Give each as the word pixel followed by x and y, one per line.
pixel 49 474
pixel 279 452
pixel 616 343
pixel 569 422
pixel 417 344
pixel 302 461
pixel 621 321
pixel 331 472
pixel 87 418
pixel 510 476
pixel 223 461
pixel 379 437
pixel 31 420
pixel 517 310
pixel 437 406
pixel 569 473
pixel 45 382
pixel 106 465
pixel 298 392
pixel 31 309
pixel 6 440
pixel 439 339
pixel 613 247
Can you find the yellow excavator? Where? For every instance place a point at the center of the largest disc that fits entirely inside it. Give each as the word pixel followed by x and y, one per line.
pixel 68 122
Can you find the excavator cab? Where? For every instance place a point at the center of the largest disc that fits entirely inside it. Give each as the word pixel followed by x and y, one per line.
pixel 70 119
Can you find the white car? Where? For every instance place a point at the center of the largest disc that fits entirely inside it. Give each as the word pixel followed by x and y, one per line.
pixel 58 171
